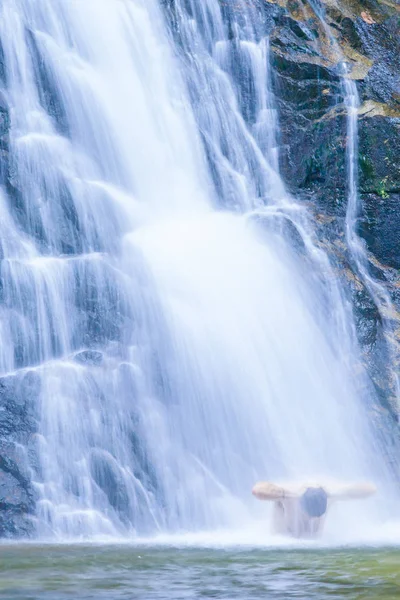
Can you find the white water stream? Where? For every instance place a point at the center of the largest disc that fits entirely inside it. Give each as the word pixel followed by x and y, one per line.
pixel 356 245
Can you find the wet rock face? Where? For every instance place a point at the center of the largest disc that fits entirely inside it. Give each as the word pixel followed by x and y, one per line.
pixel 18 395
pixel 380 186
pixel 313 130
pixel 310 97
pixel 18 422
pixel 381 226
pixel 313 139
pixel 89 357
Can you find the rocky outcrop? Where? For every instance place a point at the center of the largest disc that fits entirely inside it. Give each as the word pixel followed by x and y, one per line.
pixel 362 40
pixel 18 423
pixel 312 114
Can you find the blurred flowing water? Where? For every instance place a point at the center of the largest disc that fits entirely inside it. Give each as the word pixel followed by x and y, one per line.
pixel 190 335
pixel 356 245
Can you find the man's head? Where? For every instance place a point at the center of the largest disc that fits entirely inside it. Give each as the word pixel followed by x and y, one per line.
pixel 314 502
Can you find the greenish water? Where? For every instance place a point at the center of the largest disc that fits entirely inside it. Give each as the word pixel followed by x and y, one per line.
pixel 114 572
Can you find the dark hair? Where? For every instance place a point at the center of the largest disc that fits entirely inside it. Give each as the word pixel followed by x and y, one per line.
pixel 314 502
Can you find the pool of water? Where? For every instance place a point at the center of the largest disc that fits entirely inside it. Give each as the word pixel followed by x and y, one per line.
pixel 122 571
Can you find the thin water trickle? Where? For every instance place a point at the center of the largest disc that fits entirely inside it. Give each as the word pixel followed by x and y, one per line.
pixel 189 336
pixel 357 246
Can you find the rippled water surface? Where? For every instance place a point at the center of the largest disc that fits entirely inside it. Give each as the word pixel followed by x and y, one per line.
pixel 121 571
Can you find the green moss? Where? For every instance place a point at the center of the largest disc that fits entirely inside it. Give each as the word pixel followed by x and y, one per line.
pixel 366 166
pixel 382 188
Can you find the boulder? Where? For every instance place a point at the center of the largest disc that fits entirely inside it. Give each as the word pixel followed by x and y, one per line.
pixel 92 358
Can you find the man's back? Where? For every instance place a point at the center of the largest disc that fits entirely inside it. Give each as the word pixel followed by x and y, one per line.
pixel 299 510
pixel 290 517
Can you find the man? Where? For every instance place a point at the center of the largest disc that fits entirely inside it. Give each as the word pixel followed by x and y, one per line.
pixel 300 511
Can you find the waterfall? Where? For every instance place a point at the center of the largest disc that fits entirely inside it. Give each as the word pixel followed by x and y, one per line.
pixel 189 335
pixel 357 247
pixel 377 291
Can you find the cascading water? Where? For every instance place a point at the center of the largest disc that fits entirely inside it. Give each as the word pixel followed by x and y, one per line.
pixel 378 293
pixel 189 336
pixel 356 245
